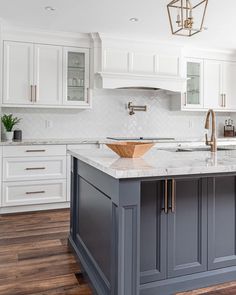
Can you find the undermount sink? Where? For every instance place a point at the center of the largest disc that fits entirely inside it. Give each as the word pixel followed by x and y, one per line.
pixel 203 149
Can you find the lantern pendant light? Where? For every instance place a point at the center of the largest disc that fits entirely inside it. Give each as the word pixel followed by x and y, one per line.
pixel 187 16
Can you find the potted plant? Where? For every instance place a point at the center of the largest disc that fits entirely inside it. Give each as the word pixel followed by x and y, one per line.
pixel 9 122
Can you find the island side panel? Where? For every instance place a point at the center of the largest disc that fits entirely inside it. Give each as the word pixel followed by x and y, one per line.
pixel 106 229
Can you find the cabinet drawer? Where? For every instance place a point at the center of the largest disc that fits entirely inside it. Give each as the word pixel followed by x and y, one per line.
pixel 33 192
pixel 34 150
pixel 16 169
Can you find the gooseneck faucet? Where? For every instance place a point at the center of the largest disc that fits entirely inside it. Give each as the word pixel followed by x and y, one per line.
pixel 213 142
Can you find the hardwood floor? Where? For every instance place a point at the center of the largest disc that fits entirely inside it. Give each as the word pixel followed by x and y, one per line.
pixel 35 258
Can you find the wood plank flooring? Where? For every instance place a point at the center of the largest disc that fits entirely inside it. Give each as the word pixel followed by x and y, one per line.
pixel 35 258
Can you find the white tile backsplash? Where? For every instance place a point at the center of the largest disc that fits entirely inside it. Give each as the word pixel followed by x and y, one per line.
pixel 109 117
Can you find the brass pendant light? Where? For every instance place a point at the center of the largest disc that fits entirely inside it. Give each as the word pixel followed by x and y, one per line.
pixel 187 16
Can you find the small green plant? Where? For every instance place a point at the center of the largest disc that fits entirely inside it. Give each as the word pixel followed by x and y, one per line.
pixel 9 121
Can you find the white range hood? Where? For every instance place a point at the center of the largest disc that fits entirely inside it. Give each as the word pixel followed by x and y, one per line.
pixel 134 81
pixel 125 63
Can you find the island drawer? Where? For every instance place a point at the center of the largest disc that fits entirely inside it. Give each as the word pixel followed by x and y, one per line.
pixel 17 169
pixel 33 192
pixel 34 151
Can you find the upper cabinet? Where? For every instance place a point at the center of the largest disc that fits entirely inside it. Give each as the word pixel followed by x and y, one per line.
pixel 213 93
pixel 193 97
pixel 210 84
pixel 18 73
pixel 76 76
pixel 229 85
pixel 219 86
pixel 45 75
pixel 48 74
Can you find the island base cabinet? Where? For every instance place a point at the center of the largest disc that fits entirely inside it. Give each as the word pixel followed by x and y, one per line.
pixel 221 222
pixel 173 243
pixel 155 236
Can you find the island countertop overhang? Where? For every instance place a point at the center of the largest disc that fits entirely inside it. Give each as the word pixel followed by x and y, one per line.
pixel 158 163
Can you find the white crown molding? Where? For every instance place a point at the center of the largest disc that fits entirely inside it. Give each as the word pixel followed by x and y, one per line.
pixel 23 34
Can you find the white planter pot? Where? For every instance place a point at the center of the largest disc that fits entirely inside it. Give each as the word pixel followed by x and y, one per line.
pixel 9 136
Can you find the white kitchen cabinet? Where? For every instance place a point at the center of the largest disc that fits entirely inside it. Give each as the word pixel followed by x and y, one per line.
pixel 24 169
pixel 18 73
pixel 33 192
pixel 229 85
pixel 34 151
pixel 213 95
pixel 76 76
pixel 34 174
pixel 220 86
pixel 193 72
pixel 45 75
pixel 48 74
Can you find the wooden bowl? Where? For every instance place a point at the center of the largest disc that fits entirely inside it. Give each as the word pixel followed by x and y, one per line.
pixel 130 149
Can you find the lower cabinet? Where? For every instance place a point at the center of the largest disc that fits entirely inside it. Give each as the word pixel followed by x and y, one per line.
pixel 34 175
pixel 33 192
pixel 187 228
pixel 222 222
pixel 188 225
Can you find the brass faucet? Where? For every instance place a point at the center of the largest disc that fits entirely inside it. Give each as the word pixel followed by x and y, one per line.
pixel 213 142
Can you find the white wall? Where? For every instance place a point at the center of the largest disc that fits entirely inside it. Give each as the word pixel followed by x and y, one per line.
pixel 108 117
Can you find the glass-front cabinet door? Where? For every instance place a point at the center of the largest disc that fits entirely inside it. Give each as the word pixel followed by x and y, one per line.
pixel 193 97
pixel 76 77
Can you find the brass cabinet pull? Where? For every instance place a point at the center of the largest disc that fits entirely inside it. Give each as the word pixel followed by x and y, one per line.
pixel 166 196
pixel 36 192
pixel 36 168
pixel 35 151
pixel 222 100
pixel 173 195
pixel 31 93
pixel 35 93
pixel 185 99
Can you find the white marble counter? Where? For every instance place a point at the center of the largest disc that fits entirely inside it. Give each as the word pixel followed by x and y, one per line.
pixel 187 142
pixel 159 163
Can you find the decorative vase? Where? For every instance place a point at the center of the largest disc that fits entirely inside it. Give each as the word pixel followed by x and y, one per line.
pixel 9 135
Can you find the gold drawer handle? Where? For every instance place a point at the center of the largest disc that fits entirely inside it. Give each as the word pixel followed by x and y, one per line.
pixel 36 192
pixel 166 196
pixel 35 168
pixel 35 151
pixel 173 195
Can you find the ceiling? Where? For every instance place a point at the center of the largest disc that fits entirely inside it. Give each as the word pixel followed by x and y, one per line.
pixel 112 16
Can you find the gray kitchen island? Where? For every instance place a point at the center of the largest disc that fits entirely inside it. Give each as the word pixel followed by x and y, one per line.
pixel 157 225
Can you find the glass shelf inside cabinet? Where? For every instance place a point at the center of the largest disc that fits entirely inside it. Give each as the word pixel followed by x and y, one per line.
pixel 76 76
pixel 193 83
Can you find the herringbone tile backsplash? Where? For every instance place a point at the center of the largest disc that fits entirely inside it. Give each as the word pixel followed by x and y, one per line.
pixel 109 117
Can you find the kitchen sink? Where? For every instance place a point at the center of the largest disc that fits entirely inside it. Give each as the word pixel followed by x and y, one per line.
pixel 203 149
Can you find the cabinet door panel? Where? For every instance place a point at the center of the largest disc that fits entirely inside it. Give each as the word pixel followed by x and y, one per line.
pixel 18 73
pixel 153 233
pixel 229 85
pixel 76 77
pixel 48 74
pixel 222 222
pixel 213 84
pixel 187 229
pixel 194 73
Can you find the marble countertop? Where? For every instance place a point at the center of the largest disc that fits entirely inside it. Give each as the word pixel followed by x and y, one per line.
pixel 159 163
pixel 71 141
